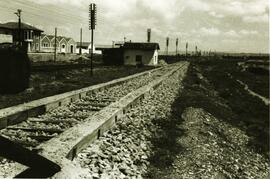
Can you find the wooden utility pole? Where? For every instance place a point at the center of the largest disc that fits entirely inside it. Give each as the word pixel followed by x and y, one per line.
pixel 55 36
pixel 176 51
pixel 18 13
pixel 92 25
pixel 81 41
pixel 167 45
pixel 92 50
pixel 186 49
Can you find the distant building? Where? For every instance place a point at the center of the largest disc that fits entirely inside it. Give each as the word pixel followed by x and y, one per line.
pixel 131 53
pixel 30 35
pixel 86 47
pixel 140 53
pixel 63 44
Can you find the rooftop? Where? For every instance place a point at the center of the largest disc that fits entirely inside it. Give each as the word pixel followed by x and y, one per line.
pixel 141 45
pixel 103 47
pixel 58 38
pixel 14 25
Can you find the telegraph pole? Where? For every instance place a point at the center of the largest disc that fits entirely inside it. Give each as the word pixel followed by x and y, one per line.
pixel 18 13
pixel 80 41
pixel 55 35
pixel 176 51
pixel 92 25
pixel 186 49
pixel 167 45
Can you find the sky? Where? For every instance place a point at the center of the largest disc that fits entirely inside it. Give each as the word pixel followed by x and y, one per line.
pixel 227 25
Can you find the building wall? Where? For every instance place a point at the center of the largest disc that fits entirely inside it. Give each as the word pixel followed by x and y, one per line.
pixel 6 38
pixel 63 46
pixel 83 50
pixel 148 57
pixel 43 57
pixel 59 43
pixel 71 44
pixel 87 50
pixel 113 56
pixel 29 38
pixel 35 45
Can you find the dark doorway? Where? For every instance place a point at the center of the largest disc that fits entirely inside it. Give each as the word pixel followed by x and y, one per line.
pixel 71 49
pixel 139 61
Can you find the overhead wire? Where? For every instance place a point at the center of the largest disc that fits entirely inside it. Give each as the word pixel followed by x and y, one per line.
pixel 33 12
pixel 65 18
pixel 60 11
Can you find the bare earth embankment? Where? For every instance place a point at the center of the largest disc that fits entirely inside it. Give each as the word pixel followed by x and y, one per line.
pixel 215 128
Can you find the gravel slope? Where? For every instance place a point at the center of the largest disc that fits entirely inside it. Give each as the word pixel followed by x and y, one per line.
pixel 77 111
pixel 123 152
pixel 215 149
pixel 156 140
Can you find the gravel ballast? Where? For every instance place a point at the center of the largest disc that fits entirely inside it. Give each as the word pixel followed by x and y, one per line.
pixel 76 112
pixel 123 151
pixel 154 142
pixel 83 108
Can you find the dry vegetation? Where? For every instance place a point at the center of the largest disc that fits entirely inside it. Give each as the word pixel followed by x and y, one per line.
pixel 43 84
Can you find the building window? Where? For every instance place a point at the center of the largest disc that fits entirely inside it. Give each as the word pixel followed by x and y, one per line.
pixel 127 57
pixel 63 46
pixel 25 34
pixel 36 45
pixel 45 45
pixel 31 35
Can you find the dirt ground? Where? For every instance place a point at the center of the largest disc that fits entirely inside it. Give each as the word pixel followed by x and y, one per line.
pixel 43 84
pixel 215 129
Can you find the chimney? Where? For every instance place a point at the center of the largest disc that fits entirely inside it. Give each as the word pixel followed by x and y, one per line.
pixel 148 35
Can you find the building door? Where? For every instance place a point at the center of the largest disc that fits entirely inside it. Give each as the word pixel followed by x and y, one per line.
pixel 139 60
pixel 71 49
pixel 63 48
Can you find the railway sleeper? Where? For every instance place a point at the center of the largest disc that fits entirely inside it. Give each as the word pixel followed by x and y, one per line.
pixel 91 97
pixel 101 99
pixel 54 121
pixel 94 104
pixel 33 129
pixel 41 138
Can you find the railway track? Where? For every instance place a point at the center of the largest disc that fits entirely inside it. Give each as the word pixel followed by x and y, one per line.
pixel 36 130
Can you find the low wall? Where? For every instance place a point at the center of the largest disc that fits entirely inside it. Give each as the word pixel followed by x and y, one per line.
pixel 43 57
